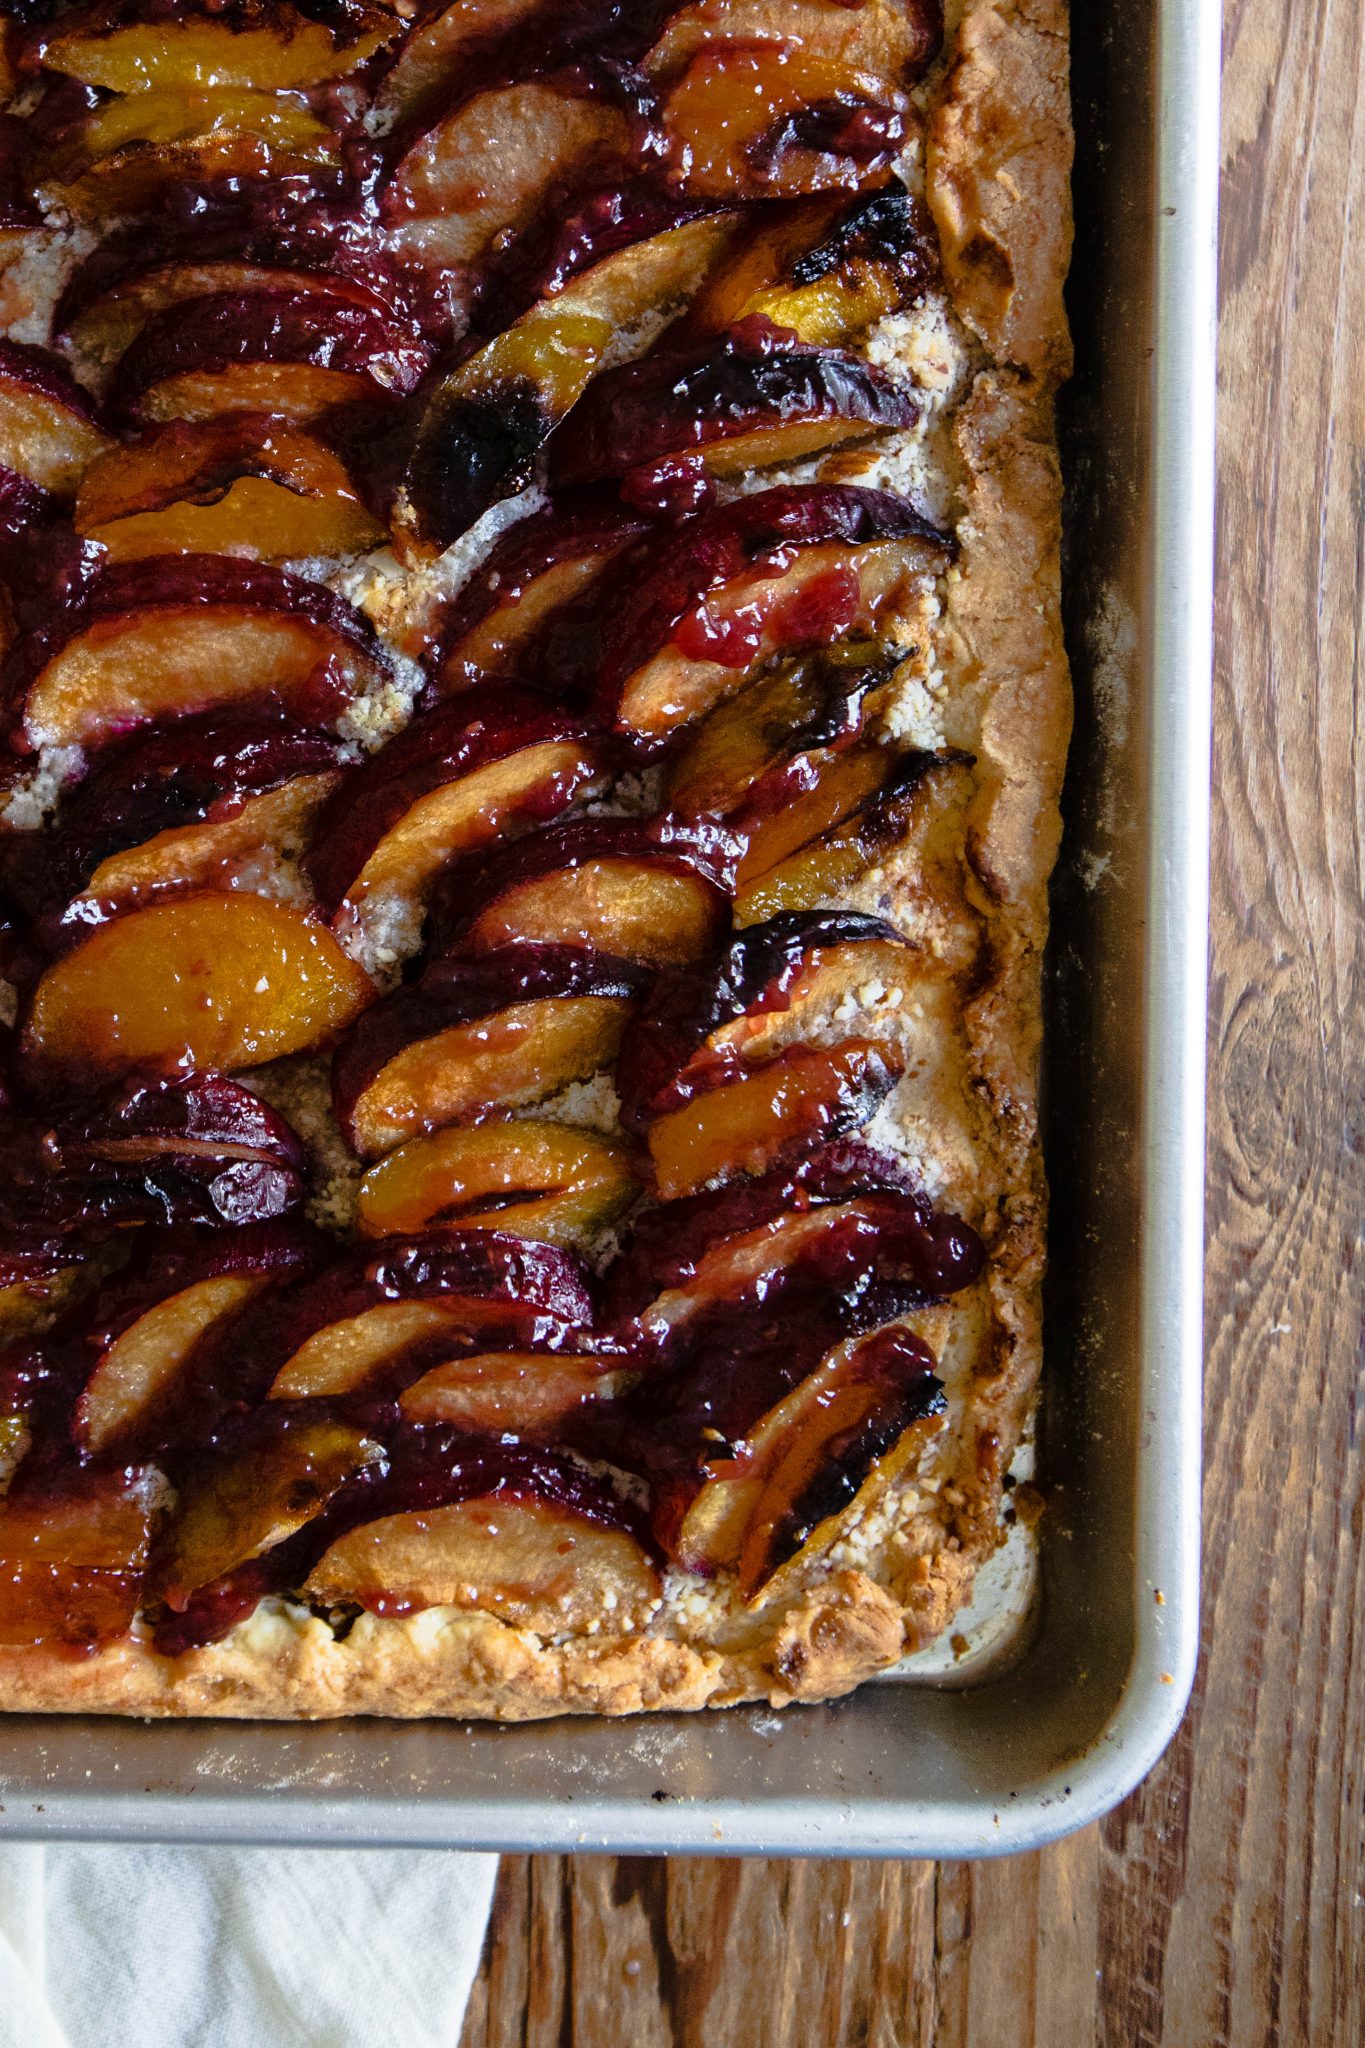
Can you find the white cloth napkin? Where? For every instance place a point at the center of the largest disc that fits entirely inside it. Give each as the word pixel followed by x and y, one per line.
pixel 114 1947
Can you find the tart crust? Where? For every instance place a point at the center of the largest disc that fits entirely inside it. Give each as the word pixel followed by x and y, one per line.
pixel 998 150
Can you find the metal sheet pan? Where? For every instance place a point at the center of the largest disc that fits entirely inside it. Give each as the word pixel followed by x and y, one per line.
pixel 915 1766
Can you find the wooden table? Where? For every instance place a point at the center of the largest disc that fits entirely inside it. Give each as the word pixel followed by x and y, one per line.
pixel 1225 1902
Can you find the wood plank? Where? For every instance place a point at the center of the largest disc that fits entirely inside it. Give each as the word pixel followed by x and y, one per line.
pixel 1225 1902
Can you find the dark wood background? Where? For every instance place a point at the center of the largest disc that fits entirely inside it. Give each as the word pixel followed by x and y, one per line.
pixel 1225 1902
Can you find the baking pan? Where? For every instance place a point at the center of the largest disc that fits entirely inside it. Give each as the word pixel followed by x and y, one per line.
pixel 918 1765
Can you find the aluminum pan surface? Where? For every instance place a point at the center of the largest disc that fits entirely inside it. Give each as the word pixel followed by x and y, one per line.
pixel 904 1769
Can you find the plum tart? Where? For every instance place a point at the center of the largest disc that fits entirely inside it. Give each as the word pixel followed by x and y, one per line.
pixel 535 704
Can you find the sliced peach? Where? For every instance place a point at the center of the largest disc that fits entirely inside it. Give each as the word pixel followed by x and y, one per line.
pixel 222 981
pixel 538 1180
pixel 187 55
pixel 772 1108
pixel 533 1565
pixel 252 1499
pixel 72 1559
pixel 47 433
pixel 485 168
pixel 513 1393
pixel 130 151
pixel 231 485
pixel 185 633
pixel 142 1366
pixel 216 853
pixel 517 1055
pixel 778 122
pixel 487 420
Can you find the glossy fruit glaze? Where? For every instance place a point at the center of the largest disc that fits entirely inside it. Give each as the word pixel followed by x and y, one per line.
pixel 300 225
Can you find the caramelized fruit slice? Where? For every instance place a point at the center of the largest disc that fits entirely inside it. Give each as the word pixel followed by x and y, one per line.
pixel 343 1355
pixel 485 168
pixel 539 566
pixel 252 1499
pixel 532 1564
pixel 143 1365
pixel 157 794
pixel 892 39
pixel 513 1393
pixel 221 981
pixel 199 1150
pixel 71 1559
pixel 289 54
pixel 819 701
pixel 754 398
pixel 804 798
pixel 127 153
pixel 240 484
pixel 220 852
pixel 120 290
pixel 452 781
pixel 489 418
pixel 47 432
pixel 293 354
pixel 442 48
pixel 794 1438
pixel 863 1427
pixel 894 819
pixel 538 1180
pixel 768 1110
pixel 876 257
pixel 691 622
pixel 774 123
pixel 475 1036
pixel 694 1021
pixel 654 893
pixel 502 1059
pixel 447 1292
pixel 182 633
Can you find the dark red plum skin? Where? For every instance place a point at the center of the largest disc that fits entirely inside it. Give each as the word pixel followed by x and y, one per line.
pixel 37 369
pixel 201 1150
pixel 754 975
pixel 933 1253
pixel 591 648
pixel 168 776
pixel 555 250
pixel 438 747
pixel 455 992
pixel 224 328
pixel 421 1468
pixel 578 523
pixel 182 582
pixel 664 404
pixel 704 847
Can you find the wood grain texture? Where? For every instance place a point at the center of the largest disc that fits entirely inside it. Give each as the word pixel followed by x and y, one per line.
pixel 1225 1902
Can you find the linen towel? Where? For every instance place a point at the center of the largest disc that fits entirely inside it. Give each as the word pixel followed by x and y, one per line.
pixel 121 1947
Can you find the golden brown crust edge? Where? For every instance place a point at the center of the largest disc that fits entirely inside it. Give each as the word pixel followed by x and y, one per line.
pixel 998 159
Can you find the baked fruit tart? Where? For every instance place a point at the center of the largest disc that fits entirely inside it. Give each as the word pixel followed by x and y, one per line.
pixel 535 714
